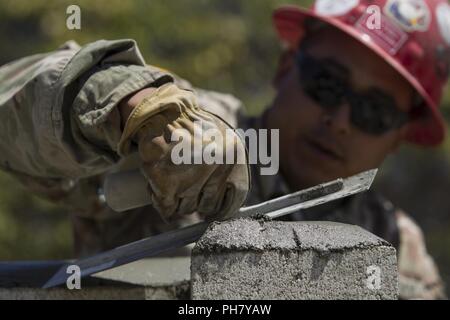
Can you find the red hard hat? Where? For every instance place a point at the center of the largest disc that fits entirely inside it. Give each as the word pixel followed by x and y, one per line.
pixel 413 36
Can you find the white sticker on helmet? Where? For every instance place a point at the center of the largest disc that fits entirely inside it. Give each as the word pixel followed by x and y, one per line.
pixel 411 15
pixel 334 7
pixel 443 20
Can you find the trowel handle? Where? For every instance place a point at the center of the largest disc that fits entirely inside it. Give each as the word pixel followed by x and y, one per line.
pixel 126 190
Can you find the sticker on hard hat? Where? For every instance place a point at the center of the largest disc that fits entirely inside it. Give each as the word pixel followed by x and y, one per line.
pixel 389 36
pixel 443 20
pixel 334 7
pixel 411 15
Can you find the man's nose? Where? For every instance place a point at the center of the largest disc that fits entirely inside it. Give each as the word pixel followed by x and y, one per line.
pixel 338 119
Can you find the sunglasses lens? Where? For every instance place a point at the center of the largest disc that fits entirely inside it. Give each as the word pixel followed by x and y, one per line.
pixel 325 91
pixel 375 112
pixel 323 81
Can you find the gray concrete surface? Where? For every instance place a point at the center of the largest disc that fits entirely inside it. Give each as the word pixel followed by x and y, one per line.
pixel 238 259
pixel 250 259
pixel 150 279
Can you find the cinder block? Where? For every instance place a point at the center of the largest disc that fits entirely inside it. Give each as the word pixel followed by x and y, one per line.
pixel 255 259
pixel 150 279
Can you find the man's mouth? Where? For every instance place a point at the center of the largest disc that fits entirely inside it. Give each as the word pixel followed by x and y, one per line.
pixel 326 149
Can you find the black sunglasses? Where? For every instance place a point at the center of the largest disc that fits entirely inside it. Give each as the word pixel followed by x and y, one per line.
pixel 327 82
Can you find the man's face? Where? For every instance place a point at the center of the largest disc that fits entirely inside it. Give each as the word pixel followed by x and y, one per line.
pixel 319 145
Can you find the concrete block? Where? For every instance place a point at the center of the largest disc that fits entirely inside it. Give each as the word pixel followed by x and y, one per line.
pixel 150 279
pixel 256 259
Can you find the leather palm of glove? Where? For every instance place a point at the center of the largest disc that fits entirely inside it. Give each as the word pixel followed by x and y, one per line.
pixel 215 191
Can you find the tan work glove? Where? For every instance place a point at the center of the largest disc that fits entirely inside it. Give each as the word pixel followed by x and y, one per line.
pixel 215 191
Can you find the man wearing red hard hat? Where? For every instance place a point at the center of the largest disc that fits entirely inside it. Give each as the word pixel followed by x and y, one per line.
pixel 413 37
pixel 356 78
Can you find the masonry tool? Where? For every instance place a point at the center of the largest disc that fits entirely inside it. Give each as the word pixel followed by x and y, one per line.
pixel 163 242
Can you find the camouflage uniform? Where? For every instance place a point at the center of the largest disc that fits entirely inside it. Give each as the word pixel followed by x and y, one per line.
pixel 60 129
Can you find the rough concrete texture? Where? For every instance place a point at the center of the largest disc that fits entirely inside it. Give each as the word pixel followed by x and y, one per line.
pixel 150 279
pixel 255 259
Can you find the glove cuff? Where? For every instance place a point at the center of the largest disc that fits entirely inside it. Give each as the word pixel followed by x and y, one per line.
pixel 165 97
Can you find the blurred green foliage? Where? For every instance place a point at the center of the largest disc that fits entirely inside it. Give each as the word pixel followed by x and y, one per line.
pixel 31 228
pixel 228 46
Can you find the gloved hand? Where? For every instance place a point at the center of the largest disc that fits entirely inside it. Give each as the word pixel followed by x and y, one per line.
pixel 215 191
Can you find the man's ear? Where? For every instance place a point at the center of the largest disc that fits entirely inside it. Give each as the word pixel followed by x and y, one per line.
pixel 285 63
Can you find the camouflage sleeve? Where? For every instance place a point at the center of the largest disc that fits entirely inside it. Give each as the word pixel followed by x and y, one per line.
pixel 226 106
pixel 418 275
pixel 58 110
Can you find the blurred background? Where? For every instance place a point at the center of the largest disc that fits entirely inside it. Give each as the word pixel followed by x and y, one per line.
pixel 227 46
